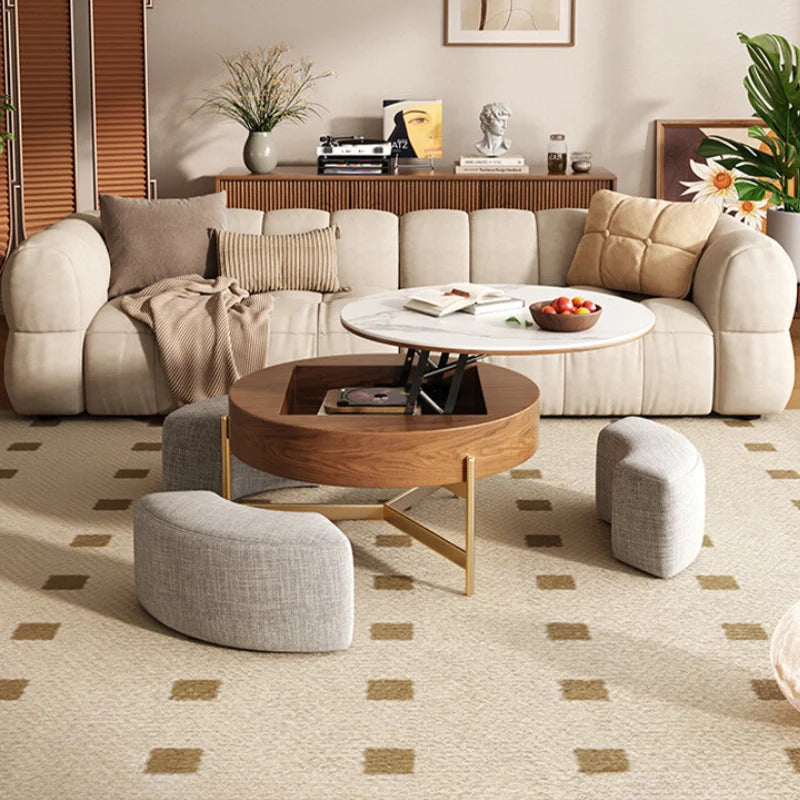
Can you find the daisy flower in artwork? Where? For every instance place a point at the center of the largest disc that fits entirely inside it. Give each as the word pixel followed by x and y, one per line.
pixel 751 212
pixel 716 184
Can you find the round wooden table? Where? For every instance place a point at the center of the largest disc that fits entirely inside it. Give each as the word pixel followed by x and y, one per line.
pixel 274 425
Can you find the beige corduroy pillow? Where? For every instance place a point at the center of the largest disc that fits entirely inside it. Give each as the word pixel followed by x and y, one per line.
pixel 636 244
pixel 280 261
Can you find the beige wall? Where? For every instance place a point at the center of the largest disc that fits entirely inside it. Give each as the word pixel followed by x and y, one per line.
pixel 634 61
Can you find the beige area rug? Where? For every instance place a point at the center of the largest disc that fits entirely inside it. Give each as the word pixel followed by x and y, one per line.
pixel 567 674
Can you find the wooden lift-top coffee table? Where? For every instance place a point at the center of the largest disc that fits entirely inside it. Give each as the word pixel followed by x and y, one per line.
pixel 274 425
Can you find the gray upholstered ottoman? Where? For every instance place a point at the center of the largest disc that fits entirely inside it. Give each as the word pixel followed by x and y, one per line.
pixel 242 576
pixel 650 485
pixel 191 454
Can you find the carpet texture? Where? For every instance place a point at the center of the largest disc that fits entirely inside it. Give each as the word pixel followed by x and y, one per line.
pixel 566 675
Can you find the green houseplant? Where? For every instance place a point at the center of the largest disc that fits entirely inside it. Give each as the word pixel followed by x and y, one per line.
pixel 771 171
pixel 263 88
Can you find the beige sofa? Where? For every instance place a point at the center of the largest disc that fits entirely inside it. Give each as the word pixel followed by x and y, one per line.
pixel 725 349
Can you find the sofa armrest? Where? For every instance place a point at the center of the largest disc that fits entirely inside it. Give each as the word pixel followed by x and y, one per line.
pixel 52 286
pixel 745 285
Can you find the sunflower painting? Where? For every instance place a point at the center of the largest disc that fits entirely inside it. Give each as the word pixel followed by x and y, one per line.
pixel 493 22
pixel 682 175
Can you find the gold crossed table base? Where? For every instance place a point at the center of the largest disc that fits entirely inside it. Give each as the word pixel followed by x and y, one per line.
pixel 392 511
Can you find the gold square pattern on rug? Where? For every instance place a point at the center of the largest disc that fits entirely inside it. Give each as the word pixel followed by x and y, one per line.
pixel 393 582
pixel 543 540
pixel 12 689
pixel 784 474
pixel 131 473
pixel 195 690
pixel 794 757
pixel 760 447
pixel 36 631
pixel 555 582
pixel 66 582
pixel 112 504
pixel 526 474
pixel 390 690
pixel 392 540
pixel 91 540
pixel 568 631
pixel 392 631
pixel 717 582
pixel 146 446
pixel 595 761
pixel 534 505
pixel 584 690
pixel 173 760
pixel 707 541
pixel 744 631
pixel 739 423
pixel 24 446
pixel 767 689
pixel 388 761
pixel 8 473
pixel 796 502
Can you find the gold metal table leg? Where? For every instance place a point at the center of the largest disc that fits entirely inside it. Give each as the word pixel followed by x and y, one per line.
pixel 469 525
pixel 225 452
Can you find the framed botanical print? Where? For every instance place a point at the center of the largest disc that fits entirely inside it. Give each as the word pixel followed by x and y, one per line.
pixel 683 175
pixel 510 22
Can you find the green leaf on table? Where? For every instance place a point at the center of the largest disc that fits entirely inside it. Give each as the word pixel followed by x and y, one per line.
pixel 513 321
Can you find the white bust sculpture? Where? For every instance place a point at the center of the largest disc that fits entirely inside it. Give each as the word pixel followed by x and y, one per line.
pixel 494 119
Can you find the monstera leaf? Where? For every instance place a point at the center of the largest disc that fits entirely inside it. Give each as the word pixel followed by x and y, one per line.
pixel 773 89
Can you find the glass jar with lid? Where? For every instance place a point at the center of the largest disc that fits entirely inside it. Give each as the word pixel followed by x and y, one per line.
pixel 557 154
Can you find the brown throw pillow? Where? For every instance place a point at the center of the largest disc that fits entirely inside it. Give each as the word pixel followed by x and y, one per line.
pixel 149 240
pixel 282 261
pixel 636 244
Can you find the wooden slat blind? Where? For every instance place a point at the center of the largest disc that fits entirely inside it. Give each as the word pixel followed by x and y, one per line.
pixel 120 97
pixel 46 115
pixel 5 202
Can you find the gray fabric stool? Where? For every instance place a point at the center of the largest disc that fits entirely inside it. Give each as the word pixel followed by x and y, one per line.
pixel 650 485
pixel 241 576
pixel 191 454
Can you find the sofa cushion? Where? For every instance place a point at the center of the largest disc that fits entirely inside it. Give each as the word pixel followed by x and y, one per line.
pixel 637 244
pixel 149 240
pixel 291 262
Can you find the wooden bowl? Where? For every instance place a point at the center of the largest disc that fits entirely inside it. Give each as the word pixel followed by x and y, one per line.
pixel 563 323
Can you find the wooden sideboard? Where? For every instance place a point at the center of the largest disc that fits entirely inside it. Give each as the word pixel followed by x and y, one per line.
pixel 301 187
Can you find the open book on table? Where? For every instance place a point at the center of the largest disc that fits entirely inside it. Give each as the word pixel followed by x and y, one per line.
pixel 437 301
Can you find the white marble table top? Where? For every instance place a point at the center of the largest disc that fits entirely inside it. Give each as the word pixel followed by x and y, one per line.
pixel 382 318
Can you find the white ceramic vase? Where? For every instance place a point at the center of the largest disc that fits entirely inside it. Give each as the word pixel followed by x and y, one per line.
pixel 784 228
pixel 260 155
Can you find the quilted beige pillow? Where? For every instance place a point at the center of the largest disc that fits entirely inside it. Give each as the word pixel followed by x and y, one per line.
pixel 281 261
pixel 636 244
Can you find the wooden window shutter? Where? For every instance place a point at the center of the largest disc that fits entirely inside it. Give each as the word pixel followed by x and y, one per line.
pixel 120 97
pixel 5 187
pixel 47 129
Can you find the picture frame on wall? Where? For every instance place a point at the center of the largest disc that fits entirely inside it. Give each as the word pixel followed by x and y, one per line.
pixel 510 22
pixel 684 176
pixel 677 141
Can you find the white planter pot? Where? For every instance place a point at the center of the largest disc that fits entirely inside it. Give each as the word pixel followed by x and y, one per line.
pixel 784 228
pixel 260 155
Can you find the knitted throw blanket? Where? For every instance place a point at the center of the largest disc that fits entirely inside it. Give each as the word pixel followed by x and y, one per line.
pixel 209 332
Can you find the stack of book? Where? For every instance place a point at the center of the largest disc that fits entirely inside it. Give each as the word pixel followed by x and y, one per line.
pixel 473 298
pixel 490 165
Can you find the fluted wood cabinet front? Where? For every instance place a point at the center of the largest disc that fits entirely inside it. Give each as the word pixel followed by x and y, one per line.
pixel 298 187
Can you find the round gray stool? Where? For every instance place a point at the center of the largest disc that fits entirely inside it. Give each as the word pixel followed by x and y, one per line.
pixel 650 485
pixel 241 576
pixel 191 454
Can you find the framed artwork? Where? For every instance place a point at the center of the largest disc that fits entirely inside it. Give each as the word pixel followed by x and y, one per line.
pixel 414 127
pixel 683 175
pixel 510 22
